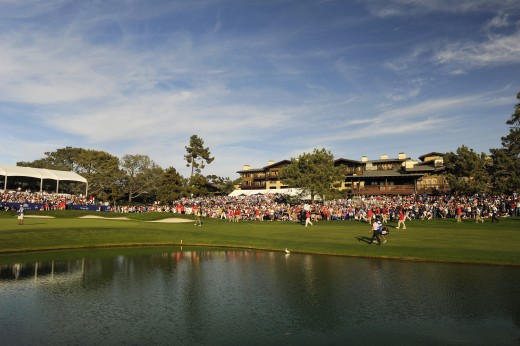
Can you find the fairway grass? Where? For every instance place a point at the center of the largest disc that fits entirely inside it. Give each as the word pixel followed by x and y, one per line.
pixel 435 240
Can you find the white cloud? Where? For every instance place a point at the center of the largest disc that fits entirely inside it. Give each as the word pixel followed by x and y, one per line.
pixel 459 56
pixel 457 72
pixel 496 50
pixel 499 21
pixel 411 128
pixel 432 116
pixel 394 8
pixel 46 70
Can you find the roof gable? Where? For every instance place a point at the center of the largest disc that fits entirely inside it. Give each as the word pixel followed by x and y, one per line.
pixel 278 164
pixel 432 154
pixel 347 162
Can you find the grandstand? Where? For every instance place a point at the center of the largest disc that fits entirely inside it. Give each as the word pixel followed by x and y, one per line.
pixel 38 179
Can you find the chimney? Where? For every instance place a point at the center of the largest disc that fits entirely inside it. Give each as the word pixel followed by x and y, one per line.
pixel 246 168
pixel 364 158
pixel 384 157
pixel 409 164
pixel 402 156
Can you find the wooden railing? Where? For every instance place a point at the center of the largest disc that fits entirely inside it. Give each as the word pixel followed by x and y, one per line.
pixel 397 190
pixel 256 185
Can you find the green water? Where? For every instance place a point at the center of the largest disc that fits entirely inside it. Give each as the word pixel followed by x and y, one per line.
pixel 165 296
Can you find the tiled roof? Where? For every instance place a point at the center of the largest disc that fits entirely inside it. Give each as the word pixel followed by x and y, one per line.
pixel 421 168
pixel 433 153
pixel 386 173
pixel 388 160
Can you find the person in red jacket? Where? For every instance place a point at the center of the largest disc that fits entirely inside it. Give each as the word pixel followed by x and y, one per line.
pixel 401 220
pixel 308 218
pixel 458 213
pixel 370 215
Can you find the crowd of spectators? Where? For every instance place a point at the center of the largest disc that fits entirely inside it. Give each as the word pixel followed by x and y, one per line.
pixel 48 201
pixel 273 207
pixel 276 207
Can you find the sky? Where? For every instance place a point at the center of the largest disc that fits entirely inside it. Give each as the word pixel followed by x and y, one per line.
pixel 257 80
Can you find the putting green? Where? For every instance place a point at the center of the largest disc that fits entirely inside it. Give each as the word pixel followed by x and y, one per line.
pixel 435 240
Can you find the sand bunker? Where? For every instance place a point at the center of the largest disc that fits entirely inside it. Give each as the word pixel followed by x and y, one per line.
pixel 39 216
pixel 104 218
pixel 168 220
pixel 173 220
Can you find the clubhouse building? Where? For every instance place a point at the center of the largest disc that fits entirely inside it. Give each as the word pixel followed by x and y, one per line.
pixel 384 176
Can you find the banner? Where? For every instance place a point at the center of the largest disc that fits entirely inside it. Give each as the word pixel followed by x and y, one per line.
pixel 41 206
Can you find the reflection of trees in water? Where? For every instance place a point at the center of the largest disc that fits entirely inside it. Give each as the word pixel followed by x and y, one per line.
pixel 299 292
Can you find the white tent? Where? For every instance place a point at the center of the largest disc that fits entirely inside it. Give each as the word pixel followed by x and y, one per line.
pixel 40 173
pixel 285 191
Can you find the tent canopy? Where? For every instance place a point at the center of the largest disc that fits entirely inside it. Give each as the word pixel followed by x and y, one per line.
pixel 42 173
pixel 39 173
pixel 288 191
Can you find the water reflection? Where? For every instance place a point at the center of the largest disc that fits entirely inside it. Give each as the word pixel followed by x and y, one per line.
pixel 168 296
pixel 41 270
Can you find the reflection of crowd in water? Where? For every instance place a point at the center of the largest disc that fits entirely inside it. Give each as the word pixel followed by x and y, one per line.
pixel 77 269
pixel 275 207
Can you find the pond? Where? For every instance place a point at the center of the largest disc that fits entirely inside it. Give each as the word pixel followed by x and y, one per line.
pixel 171 296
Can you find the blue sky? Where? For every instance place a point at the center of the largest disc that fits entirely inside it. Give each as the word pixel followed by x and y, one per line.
pixel 256 80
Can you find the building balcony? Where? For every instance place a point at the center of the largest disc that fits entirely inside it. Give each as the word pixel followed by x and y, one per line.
pixel 257 185
pixel 397 190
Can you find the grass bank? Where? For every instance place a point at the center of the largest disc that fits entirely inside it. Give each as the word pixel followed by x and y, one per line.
pixel 436 240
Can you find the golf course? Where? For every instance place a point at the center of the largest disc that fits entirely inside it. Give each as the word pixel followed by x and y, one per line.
pixel 441 240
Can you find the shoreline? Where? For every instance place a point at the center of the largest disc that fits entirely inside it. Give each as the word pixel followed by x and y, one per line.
pixel 167 220
pixel 437 241
pixel 151 245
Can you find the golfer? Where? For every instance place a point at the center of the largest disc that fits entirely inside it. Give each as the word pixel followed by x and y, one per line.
pixel 198 214
pixel 375 233
pixel 20 215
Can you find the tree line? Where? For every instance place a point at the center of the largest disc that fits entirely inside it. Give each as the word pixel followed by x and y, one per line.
pixel 135 177
pixel 138 178
pixel 470 172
